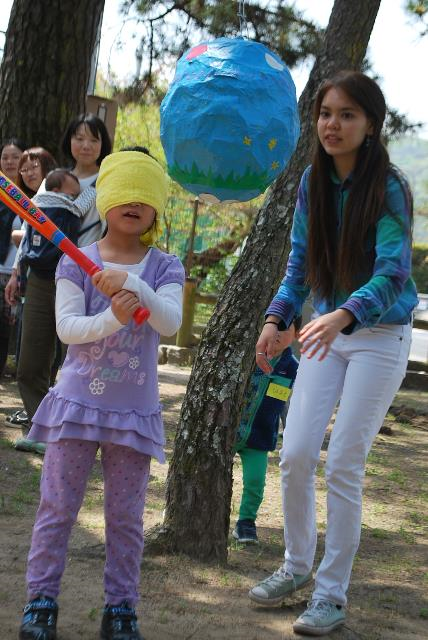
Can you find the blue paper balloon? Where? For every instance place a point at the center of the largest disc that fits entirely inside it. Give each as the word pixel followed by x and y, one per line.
pixel 229 122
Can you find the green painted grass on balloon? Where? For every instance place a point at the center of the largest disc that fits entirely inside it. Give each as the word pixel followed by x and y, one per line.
pixel 249 180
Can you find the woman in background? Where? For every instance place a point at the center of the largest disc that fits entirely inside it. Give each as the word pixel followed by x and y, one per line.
pixel 34 165
pixel 86 143
pixel 10 155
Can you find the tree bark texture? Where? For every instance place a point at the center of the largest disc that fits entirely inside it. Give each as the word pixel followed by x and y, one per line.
pixel 45 68
pixel 200 476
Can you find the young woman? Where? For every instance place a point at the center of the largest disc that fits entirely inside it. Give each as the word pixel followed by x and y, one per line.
pixel 10 155
pixel 351 245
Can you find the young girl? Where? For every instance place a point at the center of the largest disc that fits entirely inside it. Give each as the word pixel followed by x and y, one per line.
pixel 107 396
pixel 351 244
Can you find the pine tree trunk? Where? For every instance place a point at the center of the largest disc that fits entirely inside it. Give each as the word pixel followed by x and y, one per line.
pixel 200 476
pixel 45 68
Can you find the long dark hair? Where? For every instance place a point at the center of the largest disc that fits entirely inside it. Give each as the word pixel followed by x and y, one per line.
pixel 98 129
pixel 335 263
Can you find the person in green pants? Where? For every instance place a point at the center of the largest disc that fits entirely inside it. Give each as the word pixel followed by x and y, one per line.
pixel 258 431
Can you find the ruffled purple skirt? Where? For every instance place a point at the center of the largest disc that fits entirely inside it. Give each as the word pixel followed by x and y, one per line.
pixel 59 418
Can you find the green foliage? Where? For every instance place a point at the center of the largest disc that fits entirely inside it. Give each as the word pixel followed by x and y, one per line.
pixel 397 124
pixel 217 275
pixel 420 267
pixel 419 10
pixel 410 154
pixel 418 7
pixel 138 124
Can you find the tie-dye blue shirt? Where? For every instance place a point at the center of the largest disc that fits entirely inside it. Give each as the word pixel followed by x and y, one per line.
pixel 389 294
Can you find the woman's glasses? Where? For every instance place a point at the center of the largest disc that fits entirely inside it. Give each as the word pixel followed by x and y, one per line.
pixel 29 169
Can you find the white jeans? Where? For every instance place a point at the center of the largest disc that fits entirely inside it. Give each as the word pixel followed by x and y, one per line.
pixel 365 371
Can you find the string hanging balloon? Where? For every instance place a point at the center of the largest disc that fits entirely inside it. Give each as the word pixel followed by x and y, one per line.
pixel 242 18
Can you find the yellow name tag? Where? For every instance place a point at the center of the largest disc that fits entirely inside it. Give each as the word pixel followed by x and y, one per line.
pixel 278 392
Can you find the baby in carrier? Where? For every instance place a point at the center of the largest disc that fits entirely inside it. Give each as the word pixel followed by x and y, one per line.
pixel 65 205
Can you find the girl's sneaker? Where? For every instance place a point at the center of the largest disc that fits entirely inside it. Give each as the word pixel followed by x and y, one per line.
pixel 245 531
pixel 321 617
pixel 120 623
pixel 39 620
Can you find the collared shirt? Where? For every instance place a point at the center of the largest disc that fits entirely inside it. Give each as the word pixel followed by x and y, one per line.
pixel 389 294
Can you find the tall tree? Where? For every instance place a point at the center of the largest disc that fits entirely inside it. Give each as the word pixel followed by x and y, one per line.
pixel 200 476
pixel 46 66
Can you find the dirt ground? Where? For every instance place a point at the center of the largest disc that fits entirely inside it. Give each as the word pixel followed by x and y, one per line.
pixel 182 599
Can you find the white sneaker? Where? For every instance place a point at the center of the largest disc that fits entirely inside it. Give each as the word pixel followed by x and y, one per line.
pixel 321 617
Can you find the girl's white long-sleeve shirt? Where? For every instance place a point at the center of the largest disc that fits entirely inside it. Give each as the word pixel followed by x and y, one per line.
pixel 74 327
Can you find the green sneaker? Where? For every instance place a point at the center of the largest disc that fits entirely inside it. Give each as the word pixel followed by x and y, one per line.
pixel 30 447
pixel 279 586
pixel 321 617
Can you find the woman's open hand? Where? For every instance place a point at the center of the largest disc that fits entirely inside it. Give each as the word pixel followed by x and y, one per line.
pixel 318 335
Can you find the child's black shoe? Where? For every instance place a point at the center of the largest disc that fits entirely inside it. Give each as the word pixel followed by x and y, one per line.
pixel 120 623
pixel 245 532
pixel 39 620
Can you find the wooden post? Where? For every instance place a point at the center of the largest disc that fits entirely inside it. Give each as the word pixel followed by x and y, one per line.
pixel 189 257
pixel 184 335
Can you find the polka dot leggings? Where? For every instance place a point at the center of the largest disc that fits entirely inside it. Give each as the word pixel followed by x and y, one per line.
pixel 66 469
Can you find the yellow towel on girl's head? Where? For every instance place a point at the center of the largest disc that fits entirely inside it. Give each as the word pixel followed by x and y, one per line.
pixel 132 176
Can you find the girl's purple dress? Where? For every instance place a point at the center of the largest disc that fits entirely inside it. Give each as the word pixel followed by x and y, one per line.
pixel 108 390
